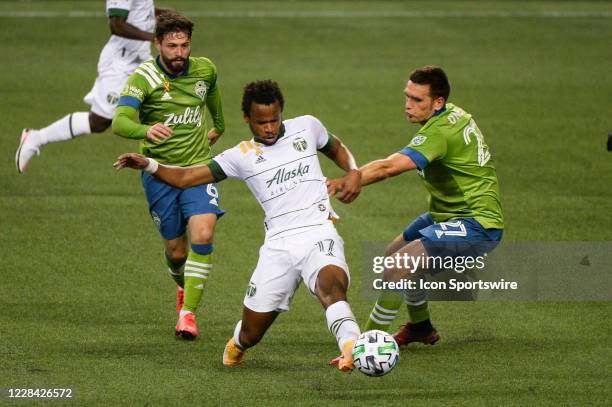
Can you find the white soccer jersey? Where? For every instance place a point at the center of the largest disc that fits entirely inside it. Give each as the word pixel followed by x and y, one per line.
pixel 140 14
pixel 286 177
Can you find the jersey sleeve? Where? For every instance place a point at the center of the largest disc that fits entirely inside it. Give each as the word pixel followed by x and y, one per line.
pixel 321 135
pixel 125 121
pixel 135 91
pixel 120 8
pixel 425 149
pixel 213 103
pixel 230 161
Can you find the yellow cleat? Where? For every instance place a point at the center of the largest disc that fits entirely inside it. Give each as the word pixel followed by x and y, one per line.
pixel 232 355
pixel 345 360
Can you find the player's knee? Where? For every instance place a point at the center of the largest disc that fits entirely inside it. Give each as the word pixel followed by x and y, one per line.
pixel 177 254
pixel 394 246
pixel 203 236
pixel 98 124
pixel 332 284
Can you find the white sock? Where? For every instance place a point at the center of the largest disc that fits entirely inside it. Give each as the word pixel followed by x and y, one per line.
pixel 69 126
pixel 341 323
pixel 415 297
pixel 237 335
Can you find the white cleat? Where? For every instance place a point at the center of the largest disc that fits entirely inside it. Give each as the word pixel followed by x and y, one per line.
pixel 28 147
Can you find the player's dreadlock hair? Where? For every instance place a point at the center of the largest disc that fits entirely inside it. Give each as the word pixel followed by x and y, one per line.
pixel 261 92
pixel 435 77
pixel 172 22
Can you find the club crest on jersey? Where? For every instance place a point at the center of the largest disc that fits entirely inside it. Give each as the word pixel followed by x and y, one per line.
pixel 156 219
pixel 112 98
pixel 200 89
pixel 300 144
pixel 418 140
pixel 251 289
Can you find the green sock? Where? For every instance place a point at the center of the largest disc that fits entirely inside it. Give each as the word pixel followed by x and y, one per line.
pixel 418 313
pixel 175 270
pixel 197 269
pixel 384 311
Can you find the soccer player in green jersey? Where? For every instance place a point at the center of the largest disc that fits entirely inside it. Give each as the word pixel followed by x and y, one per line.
pixel 465 215
pixel 163 105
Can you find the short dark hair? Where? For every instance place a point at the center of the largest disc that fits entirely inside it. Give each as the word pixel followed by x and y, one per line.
pixel 172 22
pixel 435 77
pixel 262 92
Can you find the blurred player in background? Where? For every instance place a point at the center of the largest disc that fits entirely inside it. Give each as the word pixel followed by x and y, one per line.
pixel 281 168
pixel 131 24
pixel 164 106
pixel 465 215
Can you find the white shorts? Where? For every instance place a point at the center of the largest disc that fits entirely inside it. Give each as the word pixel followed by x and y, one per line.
pixel 283 263
pixel 104 95
pixel 115 65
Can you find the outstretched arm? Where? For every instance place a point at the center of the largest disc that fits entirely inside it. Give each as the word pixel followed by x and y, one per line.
pixel 348 186
pixel 176 176
pixel 391 166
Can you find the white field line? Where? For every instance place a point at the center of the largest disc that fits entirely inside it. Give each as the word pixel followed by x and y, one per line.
pixel 328 14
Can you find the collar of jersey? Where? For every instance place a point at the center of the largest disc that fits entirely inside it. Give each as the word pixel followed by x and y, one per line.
pixel 438 112
pixel 168 74
pixel 281 133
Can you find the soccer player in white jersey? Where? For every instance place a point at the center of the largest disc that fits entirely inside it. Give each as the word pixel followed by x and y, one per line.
pixel 131 23
pixel 280 165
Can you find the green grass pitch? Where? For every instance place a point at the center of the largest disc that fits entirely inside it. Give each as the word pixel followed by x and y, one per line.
pixel 85 303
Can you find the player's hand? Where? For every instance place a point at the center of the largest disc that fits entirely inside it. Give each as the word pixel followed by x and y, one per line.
pixel 131 160
pixel 351 187
pixel 158 133
pixel 213 136
pixel 348 187
pixel 334 186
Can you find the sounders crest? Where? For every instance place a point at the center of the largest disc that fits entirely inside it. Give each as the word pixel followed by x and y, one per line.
pixel 200 89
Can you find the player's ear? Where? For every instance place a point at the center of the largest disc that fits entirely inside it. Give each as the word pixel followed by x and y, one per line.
pixel 246 118
pixel 157 44
pixel 439 103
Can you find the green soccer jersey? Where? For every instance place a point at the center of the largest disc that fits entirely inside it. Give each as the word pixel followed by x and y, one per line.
pixel 176 101
pixel 455 164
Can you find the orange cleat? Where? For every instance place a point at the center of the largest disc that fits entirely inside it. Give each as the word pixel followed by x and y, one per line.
pixel 186 327
pixel 345 360
pixel 232 355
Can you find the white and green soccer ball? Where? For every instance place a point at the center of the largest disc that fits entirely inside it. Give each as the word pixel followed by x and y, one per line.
pixel 375 353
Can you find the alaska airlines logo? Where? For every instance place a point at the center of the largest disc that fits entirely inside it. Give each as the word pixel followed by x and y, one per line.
pixel 283 175
pixel 189 116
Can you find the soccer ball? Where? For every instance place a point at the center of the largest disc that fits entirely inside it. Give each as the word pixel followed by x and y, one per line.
pixel 375 353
